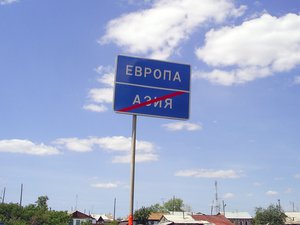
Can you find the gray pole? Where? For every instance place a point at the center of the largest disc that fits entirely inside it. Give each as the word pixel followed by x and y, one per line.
pixel 3 195
pixel 133 142
pixel 21 197
pixel 115 200
pixel 173 204
pixel 224 205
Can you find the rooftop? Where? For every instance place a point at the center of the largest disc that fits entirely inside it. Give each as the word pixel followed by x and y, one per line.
pixel 238 215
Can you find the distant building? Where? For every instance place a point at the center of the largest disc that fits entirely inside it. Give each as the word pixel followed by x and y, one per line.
pixel 181 219
pixel 154 218
pixel 239 218
pixel 102 218
pixel 79 217
pixel 293 218
pixel 214 219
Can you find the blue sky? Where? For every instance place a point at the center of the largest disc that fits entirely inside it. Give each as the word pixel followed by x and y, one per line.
pixel 60 137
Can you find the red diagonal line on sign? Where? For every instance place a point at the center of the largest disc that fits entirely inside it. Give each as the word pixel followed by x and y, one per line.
pixel 172 95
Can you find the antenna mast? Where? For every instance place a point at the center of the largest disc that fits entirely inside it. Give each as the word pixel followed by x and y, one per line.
pixel 217 204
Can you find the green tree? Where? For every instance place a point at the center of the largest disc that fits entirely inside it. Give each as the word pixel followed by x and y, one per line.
pixel 141 215
pixel 13 214
pixel 158 208
pixel 42 202
pixel 273 215
pixel 86 223
pixel 58 218
pixel 174 204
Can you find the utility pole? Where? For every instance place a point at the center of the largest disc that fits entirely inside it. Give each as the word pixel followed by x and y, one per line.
pixel 115 201
pixel 293 206
pixel 3 196
pixel 21 196
pixel 173 204
pixel 76 202
pixel 224 205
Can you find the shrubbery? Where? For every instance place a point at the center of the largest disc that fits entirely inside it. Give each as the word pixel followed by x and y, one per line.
pixel 33 214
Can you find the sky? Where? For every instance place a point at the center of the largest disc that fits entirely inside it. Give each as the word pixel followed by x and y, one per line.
pixel 60 137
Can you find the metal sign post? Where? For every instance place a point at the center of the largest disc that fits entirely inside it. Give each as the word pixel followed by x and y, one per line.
pixel 133 143
pixel 151 88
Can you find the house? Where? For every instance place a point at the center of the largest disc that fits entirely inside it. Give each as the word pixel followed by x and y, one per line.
pixel 102 218
pixel 154 218
pixel 99 219
pixel 214 219
pixel 239 218
pixel 181 219
pixel 79 217
pixel 293 218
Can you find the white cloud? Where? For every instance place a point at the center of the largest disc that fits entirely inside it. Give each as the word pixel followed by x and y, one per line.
pixel 95 108
pixel 209 173
pixel 237 76
pixel 98 98
pixel 101 95
pixel 297 176
pixel 157 31
pixel 228 195
pixel 26 147
pixel 107 75
pixel 271 193
pixel 115 143
pixel 181 125
pixel 6 2
pixel 255 49
pixel 297 80
pixel 109 185
pixel 140 157
pixel 75 144
pixel 145 151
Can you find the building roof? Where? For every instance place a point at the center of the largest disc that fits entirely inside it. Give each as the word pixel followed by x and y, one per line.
pixel 80 215
pixel 180 219
pixel 216 219
pixel 102 217
pixel 156 216
pixel 238 215
pixel 292 217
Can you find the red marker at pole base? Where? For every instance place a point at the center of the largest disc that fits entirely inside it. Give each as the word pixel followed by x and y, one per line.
pixel 130 220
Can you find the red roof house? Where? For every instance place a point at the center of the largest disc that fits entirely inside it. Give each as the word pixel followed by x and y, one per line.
pixel 216 219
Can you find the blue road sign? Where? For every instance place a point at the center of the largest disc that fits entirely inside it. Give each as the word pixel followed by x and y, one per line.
pixel 152 87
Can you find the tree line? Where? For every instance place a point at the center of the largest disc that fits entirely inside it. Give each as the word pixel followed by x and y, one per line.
pixel 32 214
pixel 39 213
pixel 272 215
